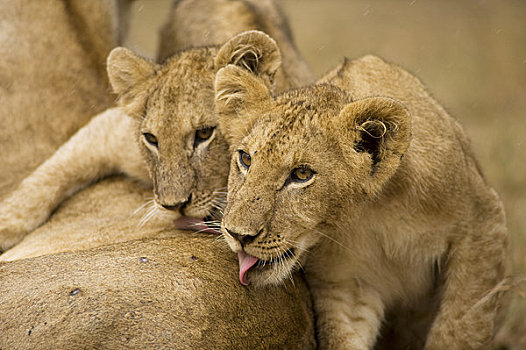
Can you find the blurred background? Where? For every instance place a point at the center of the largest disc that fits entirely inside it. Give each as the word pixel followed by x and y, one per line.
pixel 470 54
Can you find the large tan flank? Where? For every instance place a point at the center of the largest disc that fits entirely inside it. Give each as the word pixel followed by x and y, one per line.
pixel 53 77
pixel 158 293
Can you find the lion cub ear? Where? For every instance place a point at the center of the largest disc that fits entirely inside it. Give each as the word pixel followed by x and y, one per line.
pixel 129 77
pixel 381 127
pixel 240 98
pixel 253 51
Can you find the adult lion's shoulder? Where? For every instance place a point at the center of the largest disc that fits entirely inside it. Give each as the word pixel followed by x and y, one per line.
pixel 52 76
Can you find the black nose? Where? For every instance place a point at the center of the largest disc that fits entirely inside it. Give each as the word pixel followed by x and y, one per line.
pixel 172 207
pixel 243 239
pixel 177 206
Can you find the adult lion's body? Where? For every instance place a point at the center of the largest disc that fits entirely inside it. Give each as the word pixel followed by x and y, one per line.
pixel 103 214
pixel 367 182
pixel 157 293
pixel 40 64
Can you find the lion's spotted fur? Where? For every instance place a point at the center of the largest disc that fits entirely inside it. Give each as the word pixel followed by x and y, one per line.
pixel 397 226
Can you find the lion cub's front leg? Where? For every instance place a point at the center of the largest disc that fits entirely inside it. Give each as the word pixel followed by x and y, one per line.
pixel 470 299
pixel 348 315
pixel 106 145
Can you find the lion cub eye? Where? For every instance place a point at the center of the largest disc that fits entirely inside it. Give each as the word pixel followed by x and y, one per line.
pixel 301 174
pixel 150 138
pixel 202 135
pixel 245 159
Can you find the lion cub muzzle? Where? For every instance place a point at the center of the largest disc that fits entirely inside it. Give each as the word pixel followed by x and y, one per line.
pixel 243 239
pixel 177 206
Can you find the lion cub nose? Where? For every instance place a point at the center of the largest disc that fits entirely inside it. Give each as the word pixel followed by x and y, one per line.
pixel 176 206
pixel 243 238
pixel 172 207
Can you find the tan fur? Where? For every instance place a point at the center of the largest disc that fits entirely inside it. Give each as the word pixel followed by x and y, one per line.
pixel 156 293
pixel 55 53
pixel 396 225
pixel 54 81
pixel 188 178
pixel 185 28
pixel 172 301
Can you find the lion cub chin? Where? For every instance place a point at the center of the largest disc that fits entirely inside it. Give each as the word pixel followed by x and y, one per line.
pixel 380 199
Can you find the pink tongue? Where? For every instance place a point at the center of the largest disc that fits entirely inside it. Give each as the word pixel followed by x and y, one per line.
pixel 245 263
pixel 193 224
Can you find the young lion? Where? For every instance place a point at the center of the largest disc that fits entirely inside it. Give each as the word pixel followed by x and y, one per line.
pixel 379 198
pixel 171 109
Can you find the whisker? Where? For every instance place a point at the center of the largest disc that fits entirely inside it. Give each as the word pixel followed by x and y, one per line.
pixel 212 221
pixel 202 230
pixel 152 212
pixel 221 239
pixel 332 239
pixel 140 208
pixel 219 200
pixel 218 207
pixel 214 227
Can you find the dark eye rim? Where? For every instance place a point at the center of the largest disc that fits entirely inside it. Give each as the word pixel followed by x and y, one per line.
pixel 151 139
pixel 198 140
pixel 293 177
pixel 241 153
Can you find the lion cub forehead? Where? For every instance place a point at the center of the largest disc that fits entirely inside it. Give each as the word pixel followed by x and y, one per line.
pixel 187 75
pixel 315 102
pixel 302 111
pixel 183 95
pixel 169 109
pixel 297 121
pixel 191 60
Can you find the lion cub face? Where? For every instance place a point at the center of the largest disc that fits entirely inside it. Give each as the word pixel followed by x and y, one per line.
pixel 300 161
pixel 173 103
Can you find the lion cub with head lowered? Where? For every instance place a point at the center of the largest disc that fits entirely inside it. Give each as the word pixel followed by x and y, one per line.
pixel 380 199
pixel 169 123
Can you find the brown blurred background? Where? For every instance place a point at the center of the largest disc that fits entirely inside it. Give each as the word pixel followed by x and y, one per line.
pixel 470 54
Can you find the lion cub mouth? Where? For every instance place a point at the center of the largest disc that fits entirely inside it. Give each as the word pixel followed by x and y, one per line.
pixel 208 224
pixel 194 224
pixel 247 262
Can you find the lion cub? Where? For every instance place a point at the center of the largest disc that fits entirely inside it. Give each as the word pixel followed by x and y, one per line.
pixel 166 119
pixel 380 199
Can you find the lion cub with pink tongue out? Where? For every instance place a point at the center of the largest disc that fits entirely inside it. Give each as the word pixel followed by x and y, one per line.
pixel 380 199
